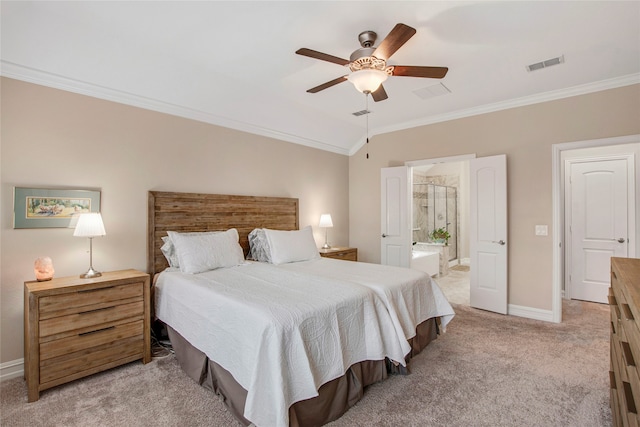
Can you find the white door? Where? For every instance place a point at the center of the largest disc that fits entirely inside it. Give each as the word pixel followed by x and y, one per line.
pixel 598 229
pixel 395 248
pixel 488 233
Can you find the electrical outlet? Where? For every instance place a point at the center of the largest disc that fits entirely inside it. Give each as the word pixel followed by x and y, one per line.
pixel 542 230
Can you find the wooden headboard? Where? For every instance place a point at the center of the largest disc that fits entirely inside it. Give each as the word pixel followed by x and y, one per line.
pixel 187 212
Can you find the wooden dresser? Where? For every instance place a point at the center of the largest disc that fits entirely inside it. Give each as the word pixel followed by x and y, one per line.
pixel 348 254
pixel 624 298
pixel 76 327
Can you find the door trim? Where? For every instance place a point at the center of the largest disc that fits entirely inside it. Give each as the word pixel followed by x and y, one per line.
pixel 424 162
pixel 558 210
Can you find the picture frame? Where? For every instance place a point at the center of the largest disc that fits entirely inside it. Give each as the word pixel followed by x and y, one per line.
pixel 52 207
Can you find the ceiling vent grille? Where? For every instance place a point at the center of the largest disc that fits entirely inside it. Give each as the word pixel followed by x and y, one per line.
pixel 545 64
pixel 361 113
pixel 432 91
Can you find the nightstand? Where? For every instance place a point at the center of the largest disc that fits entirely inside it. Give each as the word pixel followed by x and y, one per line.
pixel 76 327
pixel 347 254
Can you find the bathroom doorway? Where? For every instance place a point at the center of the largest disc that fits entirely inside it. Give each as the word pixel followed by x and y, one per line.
pixel 440 200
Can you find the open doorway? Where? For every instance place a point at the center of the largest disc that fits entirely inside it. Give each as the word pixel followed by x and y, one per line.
pixel 440 203
pixel 487 225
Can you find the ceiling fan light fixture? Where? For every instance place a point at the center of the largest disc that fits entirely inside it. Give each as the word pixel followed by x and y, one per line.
pixel 367 80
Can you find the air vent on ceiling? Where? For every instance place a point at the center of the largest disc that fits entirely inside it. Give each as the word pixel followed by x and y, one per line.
pixel 431 91
pixel 361 113
pixel 545 64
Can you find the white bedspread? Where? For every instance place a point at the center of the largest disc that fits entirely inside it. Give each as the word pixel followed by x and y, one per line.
pixel 410 295
pixel 280 333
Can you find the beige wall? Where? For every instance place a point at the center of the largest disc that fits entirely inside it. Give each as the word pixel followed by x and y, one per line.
pixel 52 138
pixel 525 135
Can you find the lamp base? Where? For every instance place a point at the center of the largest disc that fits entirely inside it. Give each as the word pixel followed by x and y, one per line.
pixel 90 274
pixel 326 246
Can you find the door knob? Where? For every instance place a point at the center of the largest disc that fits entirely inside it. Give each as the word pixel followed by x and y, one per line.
pixel 500 242
pixel 621 240
pixel 384 235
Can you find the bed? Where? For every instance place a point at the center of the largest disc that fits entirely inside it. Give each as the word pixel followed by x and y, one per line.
pixel 347 333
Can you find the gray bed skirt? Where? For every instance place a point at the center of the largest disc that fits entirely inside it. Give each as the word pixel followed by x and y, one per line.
pixel 335 397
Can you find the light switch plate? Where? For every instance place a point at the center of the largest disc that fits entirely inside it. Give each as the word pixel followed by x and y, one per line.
pixel 542 230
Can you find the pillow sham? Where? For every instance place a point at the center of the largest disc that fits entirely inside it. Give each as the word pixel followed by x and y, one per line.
pixel 291 246
pixel 169 252
pixel 199 252
pixel 258 246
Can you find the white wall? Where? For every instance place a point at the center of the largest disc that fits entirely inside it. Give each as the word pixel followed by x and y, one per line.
pixel 57 139
pixel 526 135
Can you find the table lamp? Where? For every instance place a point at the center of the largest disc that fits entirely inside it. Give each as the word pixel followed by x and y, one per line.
pixel 90 225
pixel 325 222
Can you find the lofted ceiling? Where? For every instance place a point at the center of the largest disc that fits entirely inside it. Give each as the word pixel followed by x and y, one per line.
pixel 234 64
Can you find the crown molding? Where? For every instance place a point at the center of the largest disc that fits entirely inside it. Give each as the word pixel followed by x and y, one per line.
pixel 617 82
pixel 31 75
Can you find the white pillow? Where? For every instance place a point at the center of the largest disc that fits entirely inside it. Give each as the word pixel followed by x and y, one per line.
pixel 169 252
pixel 198 252
pixel 259 246
pixel 291 246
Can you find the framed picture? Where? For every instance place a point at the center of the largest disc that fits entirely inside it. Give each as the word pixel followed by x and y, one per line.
pixel 51 208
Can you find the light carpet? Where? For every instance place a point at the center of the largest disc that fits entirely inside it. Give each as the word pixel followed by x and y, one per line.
pixel 486 370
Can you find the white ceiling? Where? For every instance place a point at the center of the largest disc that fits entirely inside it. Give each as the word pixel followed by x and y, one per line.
pixel 234 63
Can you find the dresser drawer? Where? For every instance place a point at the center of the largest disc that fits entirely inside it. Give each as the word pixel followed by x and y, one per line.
pixel 87 300
pixel 346 254
pixel 72 364
pixel 86 339
pixel 92 316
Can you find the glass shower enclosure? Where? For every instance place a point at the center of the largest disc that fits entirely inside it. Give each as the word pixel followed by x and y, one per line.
pixel 435 206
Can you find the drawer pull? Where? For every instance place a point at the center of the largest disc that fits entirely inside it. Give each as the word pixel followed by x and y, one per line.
pixel 628 355
pixel 627 311
pixel 96 331
pixel 613 273
pixel 97 309
pixel 628 394
pixel 95 290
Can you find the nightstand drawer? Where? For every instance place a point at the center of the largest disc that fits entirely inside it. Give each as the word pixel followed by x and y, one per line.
pixel 86 339
pixel 346 254
pixel 71 364
pixel 86 300
pixel 92 316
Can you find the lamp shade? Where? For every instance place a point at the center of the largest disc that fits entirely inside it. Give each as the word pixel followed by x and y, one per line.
pixel 367 80
pixel 325 221
pixel 89 225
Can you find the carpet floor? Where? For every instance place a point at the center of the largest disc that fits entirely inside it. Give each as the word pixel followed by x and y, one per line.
pixel 486 370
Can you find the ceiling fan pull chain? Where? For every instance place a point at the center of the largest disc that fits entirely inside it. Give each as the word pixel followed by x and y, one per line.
pixel 366 108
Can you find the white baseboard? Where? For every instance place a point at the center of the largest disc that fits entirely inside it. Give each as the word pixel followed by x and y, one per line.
pixel 530 313
pixel 12 369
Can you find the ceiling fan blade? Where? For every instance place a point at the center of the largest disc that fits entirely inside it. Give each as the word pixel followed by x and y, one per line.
pixel 400 34
pixel 327 84
pixel 379 94
pixel 411 71
pixel 321 56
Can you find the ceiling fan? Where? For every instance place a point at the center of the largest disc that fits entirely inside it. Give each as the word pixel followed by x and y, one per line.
pixel 368 64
